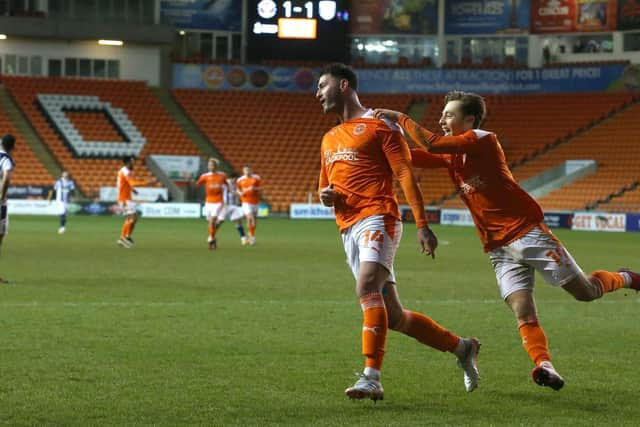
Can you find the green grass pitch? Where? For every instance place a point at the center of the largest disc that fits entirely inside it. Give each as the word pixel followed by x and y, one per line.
pixel 169 333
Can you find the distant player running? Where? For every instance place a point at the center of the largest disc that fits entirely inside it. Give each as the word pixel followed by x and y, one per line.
pixel 126 189
pixel 63 189
pixel 231 209
pixel 7 165
pixel 509 222
pixel 359 159
pixel 249 188
pixel 215 183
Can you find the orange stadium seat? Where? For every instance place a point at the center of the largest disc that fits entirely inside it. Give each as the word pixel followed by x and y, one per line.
pixel 526 125
pixel 613 144
pixel 134 97
pixel 279 134
pixel 29 170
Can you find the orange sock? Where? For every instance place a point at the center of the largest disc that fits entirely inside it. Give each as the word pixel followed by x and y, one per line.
pixel 609 281
pixel 126 228
pixel 212 231
pixel 374 329
pixel 427 331
pixel 534 341
pixel 252 230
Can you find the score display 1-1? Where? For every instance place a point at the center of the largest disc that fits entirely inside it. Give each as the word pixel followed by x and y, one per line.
pixel 297 30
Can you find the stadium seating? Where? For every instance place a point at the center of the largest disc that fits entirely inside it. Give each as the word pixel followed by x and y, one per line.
pixel 29 170
pixel 629 201
pixel 614 145
pixel 527 125
pixel 134 98
pixel 279 134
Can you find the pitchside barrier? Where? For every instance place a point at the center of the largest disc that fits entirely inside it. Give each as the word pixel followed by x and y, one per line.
pixel 149 210
pixel 591 221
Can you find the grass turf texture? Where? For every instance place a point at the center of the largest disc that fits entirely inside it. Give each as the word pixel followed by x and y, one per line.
pixel 169 333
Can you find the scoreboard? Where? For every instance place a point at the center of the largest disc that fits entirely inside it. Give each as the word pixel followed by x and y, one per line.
pixel 297 30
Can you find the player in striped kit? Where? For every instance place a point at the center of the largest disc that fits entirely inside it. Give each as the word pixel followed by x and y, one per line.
pixel 7 165
pixel 232 209
pixel 64 189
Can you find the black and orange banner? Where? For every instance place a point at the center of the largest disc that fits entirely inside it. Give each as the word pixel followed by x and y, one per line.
pixel 556 16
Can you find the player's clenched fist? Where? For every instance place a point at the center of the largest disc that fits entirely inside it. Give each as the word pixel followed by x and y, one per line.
pixel 328 196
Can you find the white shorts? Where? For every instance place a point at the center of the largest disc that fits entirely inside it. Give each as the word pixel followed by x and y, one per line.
pixel 369 240
pixel 212 210
pixel 230 212
pixel 62 208
pixel 128 208
pixel 4 220
pixel 250 209
pixel 515 264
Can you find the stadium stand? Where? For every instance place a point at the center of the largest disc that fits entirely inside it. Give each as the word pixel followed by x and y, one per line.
pixel 279 134
pixel 614 145
pixel 527 125
pixel 29 170
pixel 627 201
pixel 134 97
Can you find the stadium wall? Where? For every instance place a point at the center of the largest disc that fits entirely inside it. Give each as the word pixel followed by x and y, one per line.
pixel 137 62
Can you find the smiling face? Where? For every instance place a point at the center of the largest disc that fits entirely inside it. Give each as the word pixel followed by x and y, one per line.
pixel 329 93
pixel 453 121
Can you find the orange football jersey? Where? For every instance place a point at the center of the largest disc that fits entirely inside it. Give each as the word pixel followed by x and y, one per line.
pixel 214 183
pixel 502 211
pixel 125 184
pixel 249 188
pixel 360 158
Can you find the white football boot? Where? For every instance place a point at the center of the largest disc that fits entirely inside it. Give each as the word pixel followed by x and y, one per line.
pixel 366 387
pixel 469 363
pixel 546 375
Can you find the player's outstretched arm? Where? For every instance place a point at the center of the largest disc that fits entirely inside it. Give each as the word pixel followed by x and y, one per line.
pixel 421 158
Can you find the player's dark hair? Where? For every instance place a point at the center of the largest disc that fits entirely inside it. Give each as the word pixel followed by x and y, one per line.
pixel 472 105
pixel 8 142
pixel 127 159
pixel 341 71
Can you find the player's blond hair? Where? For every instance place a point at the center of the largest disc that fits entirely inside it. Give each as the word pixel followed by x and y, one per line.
pixel 214 160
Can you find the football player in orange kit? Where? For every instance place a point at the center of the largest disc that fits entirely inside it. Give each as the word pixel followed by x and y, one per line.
pixel 249 188
pixel 125 185
pixel 508 220
pixel 215 183
pixel 359 159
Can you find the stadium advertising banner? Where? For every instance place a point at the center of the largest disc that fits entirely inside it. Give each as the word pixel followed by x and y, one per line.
pixel 33 207
pixel 394 17
pixel 250 77
pixel 456 217
pixel 223 15
pixel 170 210
pixel 433 215
pixel 555 16
pixel 28 191
pixel 487 16
pixel 486 81
pixel 310 211
pixel 178 168
pixel 558 219
pixel 390 80
pixel 628 14
pixel 633 222
pixel 599 221
pixel 145 194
